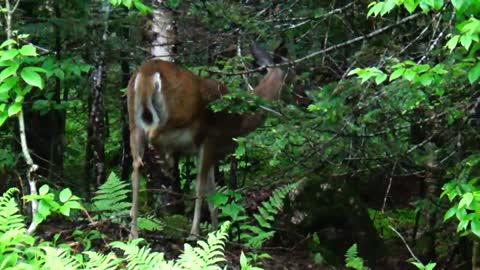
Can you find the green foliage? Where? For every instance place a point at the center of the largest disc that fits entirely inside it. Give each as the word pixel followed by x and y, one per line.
pixel 244 263
pixel 464 193
pixel 207 255
pixel 48 203
pixel 421 266
pixel 19 74
pixel 256 230
pixel 352 260
pixel 18 250
pixel 110 199
pixel 138 4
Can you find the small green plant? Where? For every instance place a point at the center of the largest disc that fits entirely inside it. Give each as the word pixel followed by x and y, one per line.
pixel 245 263
pixel 256 230
pixel 48 203
pixel 138 4
pixel 421 266
pixel 110 199
pixel 352 259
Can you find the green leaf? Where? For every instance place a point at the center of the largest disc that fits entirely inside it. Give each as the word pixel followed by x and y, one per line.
pixel 28 50
pixel 450 213
pixel 43 190
pixel 127 3
pixel 7 42
pixel 376 9
pixel 452 43
pixel 9 71
pixel 8 84
pixel 14 108
pixel 426 79
pixel 437 4
pixel 466 200
pixel 8 55
pixel 243 260
pixel 3 117
pixel 419 265
pixel 218 198
pixel 475 226
pixel 474 73
pixel 65 210
pixel 32 78
pixel 466 41
pixel 74 205
pixel 458 4
pixel 410 5
pixel 397 74
pixel 380 78
pixel 354 71
pixel 409 75
pixel 65 195
pixel 430 266
pixel 44 208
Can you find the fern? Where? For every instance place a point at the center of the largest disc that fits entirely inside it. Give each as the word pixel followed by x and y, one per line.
pixel 352 260
pixel 111 197
pixel 10 219
pixel 208 254
pixel 257 234
pixel 58 258
pixel 139 258
pixel 100 261
pixel 150 224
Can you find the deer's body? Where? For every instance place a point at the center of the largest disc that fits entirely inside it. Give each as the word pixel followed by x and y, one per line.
pixel 168 107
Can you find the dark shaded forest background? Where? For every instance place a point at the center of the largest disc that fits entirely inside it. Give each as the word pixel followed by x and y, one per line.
pixel 371 153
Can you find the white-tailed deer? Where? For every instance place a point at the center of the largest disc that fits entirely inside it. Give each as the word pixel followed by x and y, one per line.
pixel 168 107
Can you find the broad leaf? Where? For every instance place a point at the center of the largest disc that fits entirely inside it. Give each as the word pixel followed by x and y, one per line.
pixel 14 108
pixel 65 195
pixel 474 74
pixel 32 78
pixel 9 71
pixel 28 50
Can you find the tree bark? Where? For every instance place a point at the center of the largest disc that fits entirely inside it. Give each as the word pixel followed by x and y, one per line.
pixel 96 138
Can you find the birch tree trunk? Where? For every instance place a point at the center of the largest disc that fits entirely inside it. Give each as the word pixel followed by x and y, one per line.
pixel 95 155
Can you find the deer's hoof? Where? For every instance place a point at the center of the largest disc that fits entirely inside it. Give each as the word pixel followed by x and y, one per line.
pixel 192 237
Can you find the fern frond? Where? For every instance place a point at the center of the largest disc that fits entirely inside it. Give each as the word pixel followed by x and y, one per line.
pixel 353 260
pixel 208 254
pixel 111 197
pixel 10 219
pixel 99 261
pixel 150 223
pixel 143 258
pixel 265 217
pixel 58 258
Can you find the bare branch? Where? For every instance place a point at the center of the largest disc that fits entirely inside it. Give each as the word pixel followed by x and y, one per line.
pixel 326 50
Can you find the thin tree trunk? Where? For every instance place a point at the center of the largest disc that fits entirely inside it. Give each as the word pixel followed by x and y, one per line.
pixel 126 161
pixel 57 143
pixel 97 111
pixel 31 166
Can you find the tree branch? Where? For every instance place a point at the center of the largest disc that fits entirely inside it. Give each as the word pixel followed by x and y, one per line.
pixel 326 50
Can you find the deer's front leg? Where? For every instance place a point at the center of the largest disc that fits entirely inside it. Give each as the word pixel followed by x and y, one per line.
pixel 137 145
